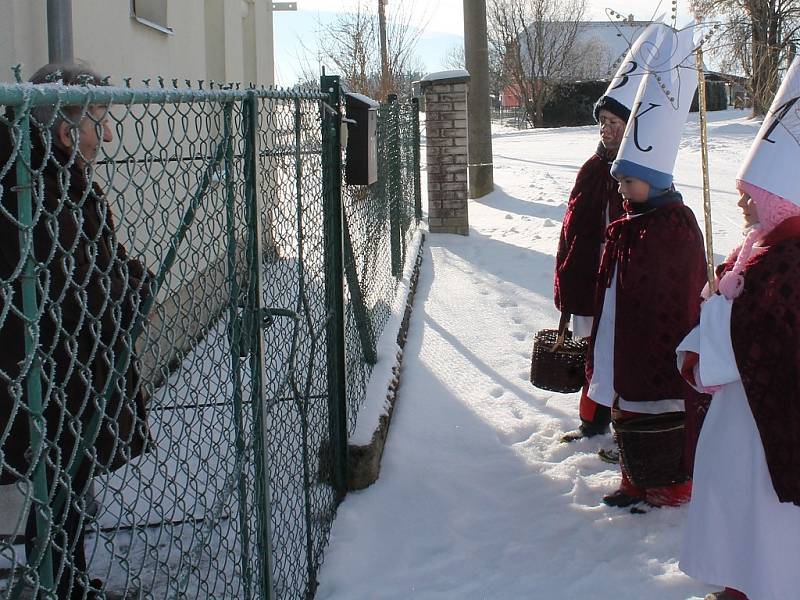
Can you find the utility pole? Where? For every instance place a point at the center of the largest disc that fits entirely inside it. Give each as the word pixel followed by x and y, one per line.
pixel 384 49
pixel 479 127
pixel 59 31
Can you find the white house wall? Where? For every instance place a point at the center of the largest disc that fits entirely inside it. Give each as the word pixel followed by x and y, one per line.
pixel 224 40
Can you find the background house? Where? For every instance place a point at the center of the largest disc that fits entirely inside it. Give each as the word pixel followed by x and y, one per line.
pixel 598 49
pixel 603 44
pixel 599 46
pixel 220 40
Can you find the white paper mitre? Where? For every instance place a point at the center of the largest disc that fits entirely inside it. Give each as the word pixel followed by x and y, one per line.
pixel 637 62
pixel 653 134
pixel 774 156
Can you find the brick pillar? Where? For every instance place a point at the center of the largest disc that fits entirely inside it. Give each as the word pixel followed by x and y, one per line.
pixel 446 145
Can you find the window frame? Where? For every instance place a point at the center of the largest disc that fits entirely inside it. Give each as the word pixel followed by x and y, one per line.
pixel 162 27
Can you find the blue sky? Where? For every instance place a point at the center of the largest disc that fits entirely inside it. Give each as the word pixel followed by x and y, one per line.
pixel 442 21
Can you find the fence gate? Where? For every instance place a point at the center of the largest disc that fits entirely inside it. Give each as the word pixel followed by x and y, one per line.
pixel 299 316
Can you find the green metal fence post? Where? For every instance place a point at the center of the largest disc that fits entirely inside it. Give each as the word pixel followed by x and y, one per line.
pixel 395 186
pixel 415 140
pixel 234 335
pixel 334 284
pixel 255 310
pixel 301 257
pixel 33 381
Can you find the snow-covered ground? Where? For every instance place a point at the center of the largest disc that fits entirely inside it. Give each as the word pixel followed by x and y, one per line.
pixel 477 498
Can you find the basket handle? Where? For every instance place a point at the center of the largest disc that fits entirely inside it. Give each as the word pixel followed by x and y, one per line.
pixel 563 325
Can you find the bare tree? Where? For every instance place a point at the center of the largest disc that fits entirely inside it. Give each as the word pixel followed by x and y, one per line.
pixel 594 60
pixel 537 42
pixel 350 45
pixel 454 59
pixel 759 37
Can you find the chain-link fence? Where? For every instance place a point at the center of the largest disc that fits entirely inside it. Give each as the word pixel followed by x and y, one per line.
pixel 178 380
pixel 378 222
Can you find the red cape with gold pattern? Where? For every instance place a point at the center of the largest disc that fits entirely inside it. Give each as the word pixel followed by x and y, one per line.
pixel 660 264
pixel 765 333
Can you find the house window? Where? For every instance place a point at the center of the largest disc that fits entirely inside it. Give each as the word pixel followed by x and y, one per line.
pixel 151 13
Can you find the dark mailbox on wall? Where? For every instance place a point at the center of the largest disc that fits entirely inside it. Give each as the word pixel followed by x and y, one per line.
pixel 362 141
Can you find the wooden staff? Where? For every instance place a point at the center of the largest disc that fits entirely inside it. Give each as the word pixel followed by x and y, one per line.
pixel 701 101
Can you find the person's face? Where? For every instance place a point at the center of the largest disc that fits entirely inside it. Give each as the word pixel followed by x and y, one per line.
pixel 748 209
pixel 633 189
pixel 611 130
pixel 92 130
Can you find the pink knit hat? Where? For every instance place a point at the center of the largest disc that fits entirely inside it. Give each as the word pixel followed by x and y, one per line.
pixel 772 210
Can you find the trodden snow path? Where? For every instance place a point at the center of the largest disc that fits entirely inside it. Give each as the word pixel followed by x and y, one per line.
pixel 477 498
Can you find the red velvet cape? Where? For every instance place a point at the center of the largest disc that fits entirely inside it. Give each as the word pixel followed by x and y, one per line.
pixel 659 258
pixel 765 333
pixel 578 256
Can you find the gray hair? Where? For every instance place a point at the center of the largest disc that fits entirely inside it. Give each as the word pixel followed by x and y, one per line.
pixel 48 118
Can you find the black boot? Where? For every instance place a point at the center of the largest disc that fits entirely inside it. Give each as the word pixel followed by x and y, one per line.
pixel 620 499
pixel 609 455
pixel 586 430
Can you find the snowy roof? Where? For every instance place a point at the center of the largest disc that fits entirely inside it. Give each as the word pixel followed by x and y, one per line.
pixel 443 75
pixel 365 99
pixel 617 36
pixel 600 44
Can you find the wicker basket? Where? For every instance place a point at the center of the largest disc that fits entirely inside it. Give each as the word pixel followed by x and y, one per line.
pixel 561 370
pixel 651 449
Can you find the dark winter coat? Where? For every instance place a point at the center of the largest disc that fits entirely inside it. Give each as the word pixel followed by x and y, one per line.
pixel 88 293
pixel 594 198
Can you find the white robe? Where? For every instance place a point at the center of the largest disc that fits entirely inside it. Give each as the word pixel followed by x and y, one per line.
pixel 582 326
pixel 738 534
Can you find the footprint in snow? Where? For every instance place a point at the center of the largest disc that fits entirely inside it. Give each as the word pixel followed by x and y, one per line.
pixel 496 391
pixel 548 223
pixel 506 303
pixel 519 335
pixel 509 216
pixel 518 435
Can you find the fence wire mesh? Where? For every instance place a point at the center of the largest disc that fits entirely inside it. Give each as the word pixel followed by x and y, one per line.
pixel 167 403
pixel 379 221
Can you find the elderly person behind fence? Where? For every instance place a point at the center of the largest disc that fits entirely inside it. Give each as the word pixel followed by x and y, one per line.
pixel 89 292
